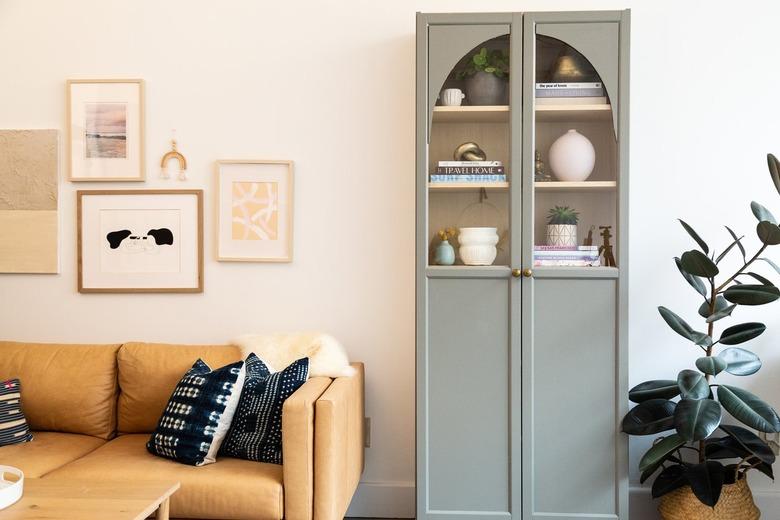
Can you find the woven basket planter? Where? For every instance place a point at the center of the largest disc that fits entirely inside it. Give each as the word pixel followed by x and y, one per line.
pixel 736 503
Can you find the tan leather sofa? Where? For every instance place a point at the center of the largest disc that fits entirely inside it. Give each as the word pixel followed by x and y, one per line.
pixel 92 408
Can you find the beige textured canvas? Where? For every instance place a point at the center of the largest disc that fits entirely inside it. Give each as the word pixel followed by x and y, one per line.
pixel 28 169
pixel 28 201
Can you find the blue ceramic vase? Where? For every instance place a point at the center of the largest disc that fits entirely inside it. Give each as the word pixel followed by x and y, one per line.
pixel 444 254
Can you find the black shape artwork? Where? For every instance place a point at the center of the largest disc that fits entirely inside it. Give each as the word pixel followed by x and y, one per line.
pixel 115 237
pixel 162 236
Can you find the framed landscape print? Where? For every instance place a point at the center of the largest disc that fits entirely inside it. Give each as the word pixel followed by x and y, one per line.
pixel 106 129
pixel 140 240
pixel 254 211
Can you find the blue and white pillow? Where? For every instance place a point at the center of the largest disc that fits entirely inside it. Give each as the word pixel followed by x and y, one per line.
pixel 13 425
pixel 198 415
pixel 256 432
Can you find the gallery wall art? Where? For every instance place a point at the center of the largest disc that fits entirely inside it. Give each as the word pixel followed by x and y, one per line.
pixel 254 211
pixel 140 240
pixel 106 130
pixel 28 201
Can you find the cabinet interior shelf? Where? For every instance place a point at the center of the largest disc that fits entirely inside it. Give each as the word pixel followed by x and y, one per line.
pixel 544 112
pixel 502 271
pixel 553 186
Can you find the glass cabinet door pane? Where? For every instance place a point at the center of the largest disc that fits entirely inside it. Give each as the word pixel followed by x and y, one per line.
pixel 575 166
pixel 469 167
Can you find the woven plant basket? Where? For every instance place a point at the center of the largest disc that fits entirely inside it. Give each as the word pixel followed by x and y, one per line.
pixel 736 503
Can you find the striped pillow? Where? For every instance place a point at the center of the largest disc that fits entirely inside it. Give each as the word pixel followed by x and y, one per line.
pixel 13 425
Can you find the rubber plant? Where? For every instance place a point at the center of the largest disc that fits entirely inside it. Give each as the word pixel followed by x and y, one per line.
pixel 698 447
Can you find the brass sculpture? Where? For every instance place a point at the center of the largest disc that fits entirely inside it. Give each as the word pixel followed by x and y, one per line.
pixel 469 152
pixel 540 175
pixel 606 248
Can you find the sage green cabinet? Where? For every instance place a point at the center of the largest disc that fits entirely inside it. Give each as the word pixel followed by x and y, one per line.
pixel 521 369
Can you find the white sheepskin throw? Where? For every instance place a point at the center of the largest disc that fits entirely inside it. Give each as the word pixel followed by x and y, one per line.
pixel 327 356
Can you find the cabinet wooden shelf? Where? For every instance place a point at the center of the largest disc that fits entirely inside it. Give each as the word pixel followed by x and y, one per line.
pixel 573 113
pixel 564 112
pixel 557 186
pixel 552 186
pixel 471 114
pixel 466 186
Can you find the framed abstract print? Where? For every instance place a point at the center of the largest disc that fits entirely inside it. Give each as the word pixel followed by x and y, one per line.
pixel 254 211
pixel 106 129
pixel 140 241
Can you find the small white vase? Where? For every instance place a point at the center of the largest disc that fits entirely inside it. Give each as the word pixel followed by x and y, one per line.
pixel 572 157
pixel 562 235
pixel 477 245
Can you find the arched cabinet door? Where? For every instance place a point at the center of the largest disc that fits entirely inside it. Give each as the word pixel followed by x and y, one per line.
pixel 574 322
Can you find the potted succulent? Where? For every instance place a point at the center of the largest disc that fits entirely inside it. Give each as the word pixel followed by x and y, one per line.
pixel 701 460
pixel 562 226
pixel 486 75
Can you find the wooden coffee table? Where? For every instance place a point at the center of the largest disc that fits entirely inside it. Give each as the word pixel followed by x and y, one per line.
pixel 85 500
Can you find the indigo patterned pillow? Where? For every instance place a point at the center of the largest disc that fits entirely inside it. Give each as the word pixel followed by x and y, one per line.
pixel 13 425
pixel 198 415
pixel 256 432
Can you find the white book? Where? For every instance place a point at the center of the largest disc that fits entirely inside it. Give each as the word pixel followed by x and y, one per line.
pixel 566 86
pixel 595 100
pixel 470 163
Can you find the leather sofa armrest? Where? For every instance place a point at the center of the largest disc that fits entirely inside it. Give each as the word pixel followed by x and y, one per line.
pixel 338 445
pixel 298 448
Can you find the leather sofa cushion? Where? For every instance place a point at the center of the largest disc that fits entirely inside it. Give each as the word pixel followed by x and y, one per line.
pixel 228 489
pixel 148 373
pixel 47 451
pixel 65 388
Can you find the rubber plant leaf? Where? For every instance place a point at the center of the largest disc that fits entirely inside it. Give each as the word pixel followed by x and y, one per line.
pixel 698 264
pixel 650 417
pixel 749 294
pixel 697 419
pixel 740 362
pixel 695 236
pixel 656 389
pixel 749 409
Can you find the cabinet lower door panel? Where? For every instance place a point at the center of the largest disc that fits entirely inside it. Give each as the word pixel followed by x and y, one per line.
pixel 569 413
pixel 467 399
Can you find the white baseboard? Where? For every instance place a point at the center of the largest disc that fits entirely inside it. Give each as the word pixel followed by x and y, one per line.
pixel 396 500
pixel 643 507
pixel 383 500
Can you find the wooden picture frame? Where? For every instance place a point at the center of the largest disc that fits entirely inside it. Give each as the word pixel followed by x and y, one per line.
pixel 105 128
pixel 123 250
pixel 254 228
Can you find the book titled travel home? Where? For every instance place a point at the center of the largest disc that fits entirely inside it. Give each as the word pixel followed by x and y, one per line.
pixel 470 170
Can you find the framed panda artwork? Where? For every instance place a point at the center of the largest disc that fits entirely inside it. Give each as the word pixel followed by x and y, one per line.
pixel 140 241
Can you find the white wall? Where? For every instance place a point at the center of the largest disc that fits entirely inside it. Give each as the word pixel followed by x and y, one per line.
pixel 330 84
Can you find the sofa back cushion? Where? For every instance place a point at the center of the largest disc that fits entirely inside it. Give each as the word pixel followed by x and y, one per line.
pixel 148 374
pixel 66 388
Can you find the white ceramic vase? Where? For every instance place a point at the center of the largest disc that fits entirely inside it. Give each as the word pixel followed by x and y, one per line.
pixel 562 235
pixel 477 245
pixel 572 157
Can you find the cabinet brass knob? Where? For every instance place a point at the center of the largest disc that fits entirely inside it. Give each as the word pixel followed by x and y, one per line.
pixel 528 273
pixel 517 273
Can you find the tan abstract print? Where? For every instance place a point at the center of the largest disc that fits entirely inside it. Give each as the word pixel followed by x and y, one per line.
pixel 255 211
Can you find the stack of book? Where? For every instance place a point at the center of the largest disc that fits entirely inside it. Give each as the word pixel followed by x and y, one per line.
pixel 469 171
pixel 563 92
pixel 562 256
